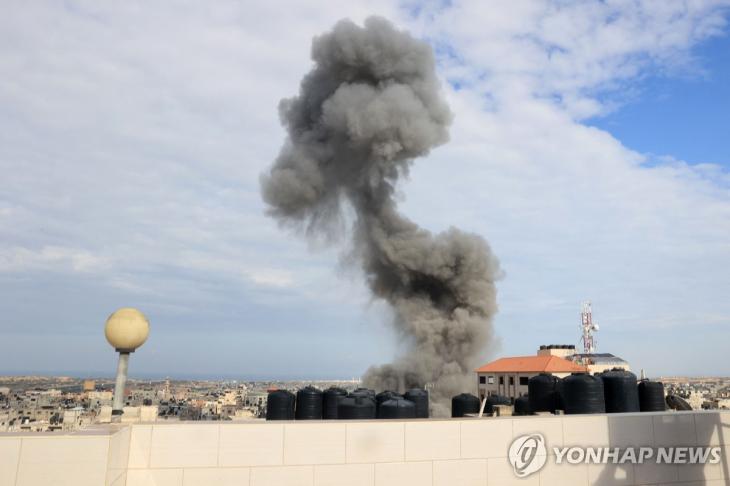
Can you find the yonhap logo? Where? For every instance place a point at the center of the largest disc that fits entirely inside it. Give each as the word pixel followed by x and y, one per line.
pixel 527 454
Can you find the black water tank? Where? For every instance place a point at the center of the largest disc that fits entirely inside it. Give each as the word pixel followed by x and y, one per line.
pixel 356 407
pixel 386 395
pixel 522 405
pixel 309 404
pixel 363 392
pixel 543 392
pixel 397 408
pixel 463 404
pixel 619 391
pixel 280 405
pixel 582 393
pixel 493 400
pixel 677 403
pixel 419 397
pixel 330 397
pixel 651 396
pixel 559 395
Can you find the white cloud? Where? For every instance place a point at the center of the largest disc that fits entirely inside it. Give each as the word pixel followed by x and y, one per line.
pixel 568 52
pixel 572 212
pixel 51 258
pixel 271 277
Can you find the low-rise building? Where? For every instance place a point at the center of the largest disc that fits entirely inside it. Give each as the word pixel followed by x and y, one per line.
pixel 509 376
pixel 600 362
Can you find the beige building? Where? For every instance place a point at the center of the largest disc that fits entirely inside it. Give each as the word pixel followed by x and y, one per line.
pixel 100 395
pixel 600 362
pixel 594 362
pixel 560 350
pixel 510 376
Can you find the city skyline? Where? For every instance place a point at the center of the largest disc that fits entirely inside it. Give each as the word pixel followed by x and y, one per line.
pixel 596 169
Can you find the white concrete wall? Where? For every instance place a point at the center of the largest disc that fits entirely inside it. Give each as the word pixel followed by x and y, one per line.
pixel 97 456
pixel 452 452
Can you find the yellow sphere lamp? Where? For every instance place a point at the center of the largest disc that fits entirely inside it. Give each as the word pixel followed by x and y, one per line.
pixel 126 330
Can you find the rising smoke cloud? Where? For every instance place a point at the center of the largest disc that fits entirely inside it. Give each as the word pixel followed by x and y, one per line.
pixel 370 105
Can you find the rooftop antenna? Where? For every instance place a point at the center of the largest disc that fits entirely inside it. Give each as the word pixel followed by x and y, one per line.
pixel 587 327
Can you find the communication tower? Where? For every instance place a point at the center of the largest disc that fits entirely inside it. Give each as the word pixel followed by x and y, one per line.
pixel 587 327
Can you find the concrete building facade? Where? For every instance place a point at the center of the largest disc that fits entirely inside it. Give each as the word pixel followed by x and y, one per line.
pixel 600 362
pixel 509 376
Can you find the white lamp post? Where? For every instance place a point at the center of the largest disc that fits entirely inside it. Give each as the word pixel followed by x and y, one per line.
pixel 126 329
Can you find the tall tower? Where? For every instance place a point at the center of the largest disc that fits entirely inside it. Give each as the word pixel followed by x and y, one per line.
pixel 587 327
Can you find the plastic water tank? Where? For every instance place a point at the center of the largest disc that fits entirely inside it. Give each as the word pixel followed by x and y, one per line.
pixel 542 390
pixel 363 392
pixel 386 395
pixel 280 405
pixel 620 391
pixel 493 400
pixel 356 408
pixel 419 397
pixel 582 393
pixel 397 408
pixel 330 397
pixel 463 404
pixel 651 396
pixel 522 405
pixel 309 404
pixel 559 395
pixel 677 403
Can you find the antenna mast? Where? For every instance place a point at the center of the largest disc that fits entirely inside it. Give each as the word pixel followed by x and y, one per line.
pixel 587 327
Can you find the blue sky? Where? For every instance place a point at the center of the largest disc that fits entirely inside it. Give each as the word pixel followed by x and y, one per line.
pixel 685 114
pixel 589 147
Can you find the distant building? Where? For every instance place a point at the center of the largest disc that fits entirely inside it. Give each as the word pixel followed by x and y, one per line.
pixel 228 410
pixel 245 413
pixel 256 399
pixel 600 362
pixel 510 376
pixel 559 350
pixel 89 385
pixel 100 395
pixel 74 418
pixel 104 415
pixel 594 362
pixel 140 414
pixel 190 413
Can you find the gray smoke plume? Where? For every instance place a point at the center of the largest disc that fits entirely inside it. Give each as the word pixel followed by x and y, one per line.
pixel 370 105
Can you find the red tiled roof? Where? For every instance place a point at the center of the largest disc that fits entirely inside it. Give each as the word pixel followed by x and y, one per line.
pixel 528 364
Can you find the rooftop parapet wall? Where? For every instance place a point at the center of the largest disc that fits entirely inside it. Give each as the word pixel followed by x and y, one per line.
pixel 450 452
pixel 96 456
